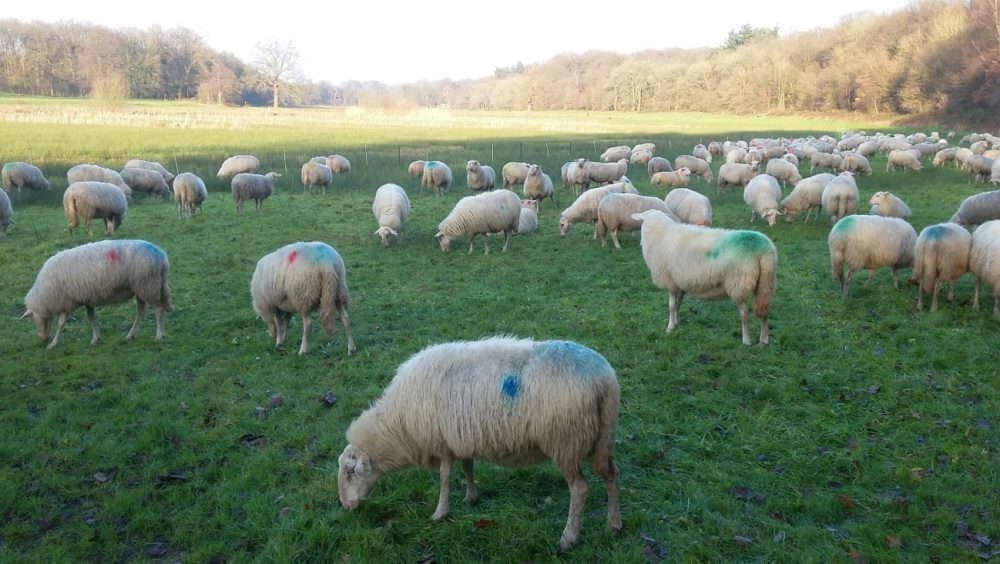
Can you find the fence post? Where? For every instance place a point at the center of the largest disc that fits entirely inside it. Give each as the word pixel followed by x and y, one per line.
pixel 366 154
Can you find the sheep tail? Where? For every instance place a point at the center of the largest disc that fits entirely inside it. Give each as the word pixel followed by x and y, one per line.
pixel 70 210
pixel 766 273
pixel 328 300
pixel 604 446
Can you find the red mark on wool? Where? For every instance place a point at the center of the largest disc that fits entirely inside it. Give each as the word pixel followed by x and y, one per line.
pixel 113 256
pixel 292 256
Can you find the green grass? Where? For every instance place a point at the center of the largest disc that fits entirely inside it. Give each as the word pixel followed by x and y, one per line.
pixel 864 422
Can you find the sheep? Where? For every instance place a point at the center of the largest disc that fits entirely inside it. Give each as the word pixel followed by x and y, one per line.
pixel 416 169
pixel 941 255
pixel 480 178
pixel 901 158
pixel 715 148
pixel 869 242
pixel 641 157
pixel 145 180
pixel 978 167
pixel 995 172
pixel 926 149
pixel 538 186
pixel 710 264
pixel 702 153
pixel 679 177
pixel 94 173
pixel 736 174
pixel 316 174
pixel 390 208
pixel 189 192
pixel 485 213
pixel 615 211
pixel 238 164
pixel 528 220
pixel 338 164
pixel 944 155
pixel 501 399
pixel 584 208
pixel 615 154
pixel 984 261
pixel 513 173
pixel 867 149
pixel 737 155
pixel 887 205
pixel 299 278
pixel 92 199
pixel 698 167
pixel 651 147
pixel 856 164
pixel 791 158
pixel 249 186
pixel 840 196
pixel 658 164
pixel 98 274
pixel 168 176
pixel 578 176
pixel 606 173
pixel 22 175
pixel 784 171
pixel 6 213
pixel 825 160
pixel 961 155
pixel 978 208
pixel 762 194
pixel 689 206
pixel 437 176
pixel 754 156
pixel 979 147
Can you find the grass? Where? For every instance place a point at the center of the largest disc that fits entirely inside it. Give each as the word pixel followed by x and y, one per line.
pixel 866 429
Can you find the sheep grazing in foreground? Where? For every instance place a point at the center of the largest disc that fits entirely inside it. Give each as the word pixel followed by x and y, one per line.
pixel 840 197
pixel 941 255
pixel 615 211
pixel 338 164
pixel 437 176
pixel 528 220
pixel 698 167
pixel 679 177
pixel 249 186
pixel 807 195
pixel 784 171
pixel 480 177
pixel 869 242
pixel 416 169
pixel 489 212
pixel 538 186
pixel 887 205
pixel 391 208
pixel 689 206
pixel 584 208
pixel 190 193
pixel 168 176
pixel 94 173
pixel 984 261
pixel 606 173
pixel 299 278
pixel 316 174
pixel 22 175
pixel 98 274
pixel 91 200
pixel 978 208
pixel 710 264
pixel 736 174
pixel 145 180
pixel 658 164
pixel 762 194
pixel 6 213
pixel 513 173
pixel 856 164
pixel 502 400
pixel 238 164
pixel 901 158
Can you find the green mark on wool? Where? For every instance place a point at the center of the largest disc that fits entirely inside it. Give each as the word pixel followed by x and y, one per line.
pixel 845 225
pixel 8 166
pixel 740 243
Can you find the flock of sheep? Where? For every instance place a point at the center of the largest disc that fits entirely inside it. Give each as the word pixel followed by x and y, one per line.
pixel 518 401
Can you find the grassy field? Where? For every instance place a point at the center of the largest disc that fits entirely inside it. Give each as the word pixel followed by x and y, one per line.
pixel 865 431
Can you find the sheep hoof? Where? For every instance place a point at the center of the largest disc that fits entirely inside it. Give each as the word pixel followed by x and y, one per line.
pixel 352 351
pixel 566 543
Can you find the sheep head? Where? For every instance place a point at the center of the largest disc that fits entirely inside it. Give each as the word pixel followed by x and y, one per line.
pixel 41 324
pixel 356 477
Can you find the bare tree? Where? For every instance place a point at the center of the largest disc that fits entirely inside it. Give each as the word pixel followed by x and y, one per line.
pixel 276 62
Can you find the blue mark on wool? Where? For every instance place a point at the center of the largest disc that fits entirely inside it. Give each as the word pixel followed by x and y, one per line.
pixel 151 249
pixel 511 385
pixel 321 252
pixel 936 232
pixel 585 362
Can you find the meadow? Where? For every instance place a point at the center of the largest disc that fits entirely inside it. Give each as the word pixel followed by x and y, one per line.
pixel 866 431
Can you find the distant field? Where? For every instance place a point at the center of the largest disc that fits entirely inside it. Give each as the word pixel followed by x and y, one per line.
pixel 867 430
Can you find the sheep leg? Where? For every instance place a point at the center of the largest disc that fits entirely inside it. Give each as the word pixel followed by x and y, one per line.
pixel 472 242
pixel 158 315
pixel 62 323
pixel 975 299
pixel 996 302
pixel 86 223
pixel 140 310
pixel 846 283
pixel 346 320
pixel 442 506
pixel 577 500
pixel 95 332
pixel 951 291
pixel 471 496
pixel 745 322
pixel 934 300
pixel 895 279
pixel 871 275
pixel 675 305
pixel 920 296
pixel 609 473
pixel 281 328
pixel 486 244
pixel 614 237
pixel 507 233
pixel 307 323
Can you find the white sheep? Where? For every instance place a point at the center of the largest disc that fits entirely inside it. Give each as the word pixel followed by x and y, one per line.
pixel 249 186
pixel 762 194
pixel 995 171
pixel 390 208
pixel 168 176
pixel 22 175
pixel 651 147
pixel 145 180
pixel 689 206
pixel 615 154
pixel 578 176
pixel 710 264
pixel 564 173
pixel 658 164
pixel 538 186
pixel 868 148
pixel 238 164
pixel 840 197
pixel 888 205
pixel 416 169
pixel 702 153
pixel 584 208
pixel 856 164
pixel 98 274
pixel 869 242
pixel 679 177
pixel 899 157
pixel 94 173
pixel 807 194
pixel 944 155
pixel 91 199
pixel 606 173
pixel 736 174
pixel 513 173
pixel 784 171
pixel 316 174
pixel 984 261
pixel 528 220
pixel 978 208
pixel 489 212
pixel 978 167
pixel 480 177
pixel 698 167
pixel 338 164
pixel 941 255
pixel 437 176
pixel 641 157
pixel 715 148
pixel 825 160
pixel 736 155
pixel 299 278
pixel 615 211
pixel 6 213
pixel 502 400
pixel 190 193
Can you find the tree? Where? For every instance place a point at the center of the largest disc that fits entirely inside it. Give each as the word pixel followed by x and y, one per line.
pixel 747 33
pixel 276 63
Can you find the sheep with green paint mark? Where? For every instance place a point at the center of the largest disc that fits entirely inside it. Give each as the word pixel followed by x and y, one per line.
pixel 710 264
pixel 22 175
pixel 869 242
pixel 984 261
pixel 941 255
pixel 502 400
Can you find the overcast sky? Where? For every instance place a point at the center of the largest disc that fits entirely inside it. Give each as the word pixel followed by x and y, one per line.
pixel 405 41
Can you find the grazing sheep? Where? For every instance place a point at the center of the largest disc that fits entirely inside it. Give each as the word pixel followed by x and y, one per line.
pixel 97 274
pixel 961 155
pixel 6 213
pixel 790 158
pixel 513 173
pixel 94 173
pixel 868 148
pixel 416 169
pixel 941 255
pixel 538 186
pixel 979 147
pixel 702 153
pixel 615 211
pixel 168 176
pixel 641 157
pixel 606 173
pixel 869 242
pixel 238 164
pixel 316 174
pixel 391 208
pixel 489 212
pixel 189 192
pixel 840 197
pixel 984 261
pixel 658 164
pixel 502 400
pixel 825 160
pixel 856 164
pixel 762 194
pixel 145 180
pixel 584 208
pixel 710 264
pixel 784 171
pixel 807 194
pixel 651 147
pixel 91 200
pixel 754 156
pixel 901 158
pixel 978 167
pixel 679 177
pixel 249 186
pixel 528 220
pixel 926 149
pixel 564 172
pixel 481 178
pixel 887 205
pixel 736 155
pixel 689 206
pixel 698 167
pixel 615 154
pixel 22 175
pixel 736 174
pixel 299 278
pixel 715 148
pixel 978 208
pixel 338 164
pixel 437 176
pixel 944 155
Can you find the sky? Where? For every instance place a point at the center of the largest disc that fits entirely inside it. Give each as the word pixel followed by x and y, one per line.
pixel 405 41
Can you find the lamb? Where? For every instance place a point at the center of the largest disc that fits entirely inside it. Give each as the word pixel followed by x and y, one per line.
pixel 584 209
pixel 736 174
pixel 316 174
pixel 299 278
pixel 528 221
pixel 679 177
pixel 689 206
pixel 190 193
pixel 901 158
pixel 615 211
pixel 238 164
pixel 97 274
pixel 338 164
pixel 978 209
pixel 784 171
pixel 984 261
pixel 416 169
pixel 513 173
pixel 869 242
pixel 762 194
pixel 698 167
pixel 606 173
pixel 91 200
pixel 168 176
pixel 856 164
pixel 249 186
pixel 437 176
pixel 391 208
pixel 840 197
pixel 22 175
pixel 710 264
pixel 145 180
pixel 485 213
pixel 538 185
pixel 944 155
pixel 941 255
pixel 94 173
pixel 503 400
pixel 615 154
pixel 6 213
pixel 825 160
pixel 481 178
pixel 658 164
pixel 887 205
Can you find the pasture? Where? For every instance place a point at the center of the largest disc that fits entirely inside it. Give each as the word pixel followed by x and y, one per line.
pixel 866 430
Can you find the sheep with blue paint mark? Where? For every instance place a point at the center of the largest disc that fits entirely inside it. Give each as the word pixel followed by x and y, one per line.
pixel 6 213
pixel 98 274
pixel 299 278
pixel 502 400
pixel 22 175
pixel 869 242
pixel 437 176
pixel 710 264
pixel 941 255
pixel 391 208
pixel 91 200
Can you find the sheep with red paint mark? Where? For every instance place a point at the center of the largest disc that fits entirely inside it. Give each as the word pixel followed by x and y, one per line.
pixel 502 400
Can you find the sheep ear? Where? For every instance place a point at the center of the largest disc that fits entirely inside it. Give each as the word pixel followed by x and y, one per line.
pixel 363 468
pixel 393 232
pixel 376 231
pixel 437 235
pixel 27 312
pixel 638 216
